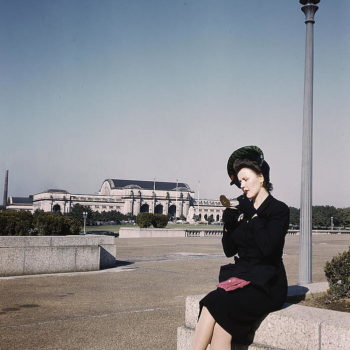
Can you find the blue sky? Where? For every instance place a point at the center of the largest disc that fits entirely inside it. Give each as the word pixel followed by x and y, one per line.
pixel 138 89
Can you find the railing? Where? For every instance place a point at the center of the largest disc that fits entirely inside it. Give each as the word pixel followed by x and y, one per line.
pixel 203 233
pixel 218 233
pixel 322 232
pixel 212 233
pixel 193 233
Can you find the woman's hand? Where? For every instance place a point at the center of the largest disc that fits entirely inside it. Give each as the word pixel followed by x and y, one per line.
pixel 230 218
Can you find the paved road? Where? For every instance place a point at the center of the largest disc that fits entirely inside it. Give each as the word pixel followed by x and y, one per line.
pixel 137 305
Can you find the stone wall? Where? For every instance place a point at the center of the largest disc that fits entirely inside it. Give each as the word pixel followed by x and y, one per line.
pixel 137 232
pixel 295 327
pixel 27 255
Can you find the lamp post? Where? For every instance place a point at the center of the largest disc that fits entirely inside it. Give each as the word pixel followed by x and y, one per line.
pixel 177 185
pixel 198 200
pixel 85 214
pixel 305 242
pixel 154 195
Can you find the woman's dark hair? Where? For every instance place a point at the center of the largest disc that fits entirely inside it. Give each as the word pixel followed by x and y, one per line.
pixel 246 163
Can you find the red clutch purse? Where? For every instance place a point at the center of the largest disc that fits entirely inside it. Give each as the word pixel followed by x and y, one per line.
pixel 232 284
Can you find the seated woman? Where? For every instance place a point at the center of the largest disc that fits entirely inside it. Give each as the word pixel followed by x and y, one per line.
pixel 254 234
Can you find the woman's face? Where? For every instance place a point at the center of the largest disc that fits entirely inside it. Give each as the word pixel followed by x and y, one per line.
pixel 251 182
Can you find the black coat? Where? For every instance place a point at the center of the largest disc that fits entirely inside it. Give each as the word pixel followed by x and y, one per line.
pixel 257 245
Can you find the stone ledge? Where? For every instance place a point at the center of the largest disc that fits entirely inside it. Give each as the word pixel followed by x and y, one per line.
pixel 28 255
pixel 307 289
pixel 137 232
pixel 48 241
pixel 184 337
pixel 295 327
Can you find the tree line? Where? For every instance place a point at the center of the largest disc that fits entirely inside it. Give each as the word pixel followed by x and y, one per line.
pixel 95 217
pixel 40 223
pixel 321 217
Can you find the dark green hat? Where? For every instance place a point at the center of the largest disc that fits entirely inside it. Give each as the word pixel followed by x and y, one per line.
pixel 252 153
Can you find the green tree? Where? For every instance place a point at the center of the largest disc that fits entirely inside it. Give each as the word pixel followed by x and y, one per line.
pixel 15 223
pixel 294 218
pixel 53 224
pixel 337 272
pixel 77 213
pixel 321 216
pixel 160 220
pixel 144 220
pixel 342 217
pixel 129 217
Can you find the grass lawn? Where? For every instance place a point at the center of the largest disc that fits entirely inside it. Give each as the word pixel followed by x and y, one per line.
pixel 115 228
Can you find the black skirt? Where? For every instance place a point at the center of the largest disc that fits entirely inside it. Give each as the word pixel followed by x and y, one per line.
pixel 241 311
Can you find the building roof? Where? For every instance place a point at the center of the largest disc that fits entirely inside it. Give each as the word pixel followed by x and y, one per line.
pixel 53 190
pixel 21 200
pixel 148 185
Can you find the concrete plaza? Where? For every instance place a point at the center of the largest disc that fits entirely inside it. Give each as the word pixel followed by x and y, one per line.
pixel 137 305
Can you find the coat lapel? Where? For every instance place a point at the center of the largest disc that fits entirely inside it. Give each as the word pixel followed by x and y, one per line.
pixel 265 204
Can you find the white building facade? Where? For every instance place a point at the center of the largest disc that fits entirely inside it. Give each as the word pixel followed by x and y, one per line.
pixel 127 197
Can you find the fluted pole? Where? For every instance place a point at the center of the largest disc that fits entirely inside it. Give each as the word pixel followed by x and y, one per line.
pixel 305 238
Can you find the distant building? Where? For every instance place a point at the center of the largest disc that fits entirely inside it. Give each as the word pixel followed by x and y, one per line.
pixel 20 203
pixel 128 197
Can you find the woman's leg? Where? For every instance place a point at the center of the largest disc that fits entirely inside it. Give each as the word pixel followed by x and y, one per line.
pixel 204 330
pixel 221 340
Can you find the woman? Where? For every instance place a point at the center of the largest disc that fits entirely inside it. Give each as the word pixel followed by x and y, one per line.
pixel 254 233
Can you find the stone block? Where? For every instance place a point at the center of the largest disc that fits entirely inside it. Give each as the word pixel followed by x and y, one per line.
pixel 292 328
pixel 65 241
pixel 184 338
pixel 335 332
pixel 295 327
pixel 49 259
pixel 102 240
pixel 87 258
pixel 184 342
pixel 318 287
pixel 11 261
pixel 192 310
pixel 37 241
pixel 39 254
pixel 308 289
pixel 24 241
pixel 136 232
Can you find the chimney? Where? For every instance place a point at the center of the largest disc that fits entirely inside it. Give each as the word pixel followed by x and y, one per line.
pixel 6 187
